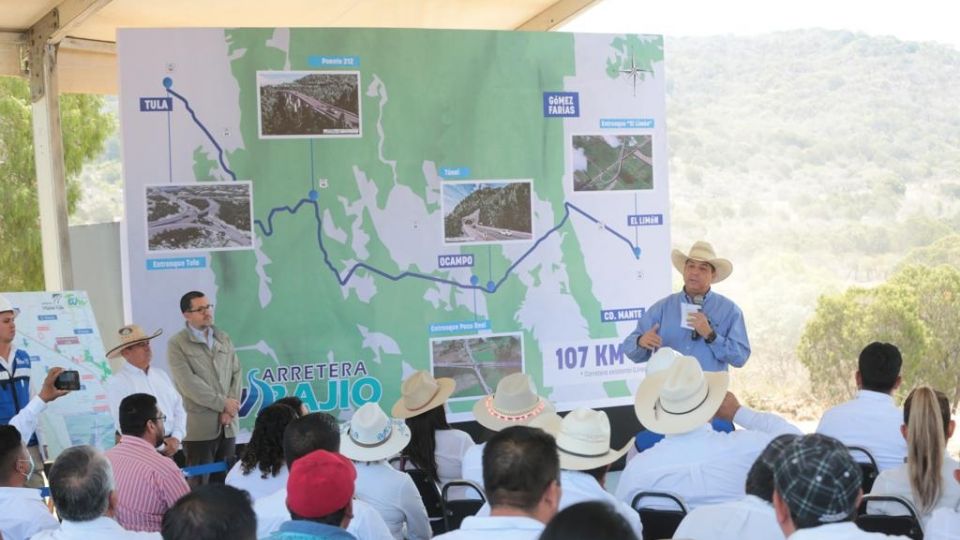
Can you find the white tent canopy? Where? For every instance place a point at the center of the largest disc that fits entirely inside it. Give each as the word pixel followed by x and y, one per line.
pixel 69 46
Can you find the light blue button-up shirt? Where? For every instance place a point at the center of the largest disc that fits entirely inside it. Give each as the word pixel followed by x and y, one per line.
pixel 730 348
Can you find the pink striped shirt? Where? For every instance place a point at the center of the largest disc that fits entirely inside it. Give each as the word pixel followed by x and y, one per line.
pixel 147 484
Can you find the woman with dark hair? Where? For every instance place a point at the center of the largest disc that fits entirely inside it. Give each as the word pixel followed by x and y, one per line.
pixel 261 470
pixel 586 521
pixel 926 479
pixel 294 403
pixel 435 447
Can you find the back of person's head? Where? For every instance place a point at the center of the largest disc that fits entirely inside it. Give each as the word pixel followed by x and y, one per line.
pixel 879 367
pixel 293 402
pixel 586 521
pixel 81 482
pixel 320 488
pixel 519 465
pixel 265 449
pixel 10 448
pixel 816 482
pixel 211 512
pixel 135 411
pixel 423 439
pixel 926 413
pixel 760 477
pixel 187 299
pixel 315 431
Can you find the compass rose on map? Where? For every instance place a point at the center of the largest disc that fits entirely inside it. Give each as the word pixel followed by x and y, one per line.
pixel 633 73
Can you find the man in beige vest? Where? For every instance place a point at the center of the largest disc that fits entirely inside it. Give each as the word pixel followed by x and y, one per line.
pixel 206 372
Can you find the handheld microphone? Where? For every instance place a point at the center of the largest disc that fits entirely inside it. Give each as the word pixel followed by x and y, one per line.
pixel 698 300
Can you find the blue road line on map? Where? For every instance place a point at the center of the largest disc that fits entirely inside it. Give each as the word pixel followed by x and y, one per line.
pixel 490 287
pixel 196 120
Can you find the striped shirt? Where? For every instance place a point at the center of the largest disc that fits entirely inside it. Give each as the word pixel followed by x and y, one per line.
pixel 147 484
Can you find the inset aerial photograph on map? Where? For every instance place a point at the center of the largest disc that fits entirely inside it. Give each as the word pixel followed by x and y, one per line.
pixel 298 104
pixel 612 162
pixel 208 216
pixel 487 212
pixel 477 363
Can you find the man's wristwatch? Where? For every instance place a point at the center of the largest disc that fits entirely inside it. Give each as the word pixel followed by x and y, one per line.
pixel 711 337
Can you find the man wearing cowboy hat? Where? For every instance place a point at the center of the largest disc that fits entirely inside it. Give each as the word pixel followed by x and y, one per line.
pixel 701 465
pixel 695 321
pixel 137 376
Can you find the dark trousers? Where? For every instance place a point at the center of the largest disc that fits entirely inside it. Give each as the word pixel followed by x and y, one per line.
pixel 202 452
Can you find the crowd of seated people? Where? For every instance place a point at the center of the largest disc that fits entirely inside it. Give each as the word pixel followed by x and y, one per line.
pixel 306 475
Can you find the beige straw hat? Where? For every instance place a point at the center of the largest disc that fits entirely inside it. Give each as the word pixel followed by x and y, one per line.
pixel 703 252
pixel 130 335
pixel 420 393
pixel 583 440
pixel 515 403
pixel 680 398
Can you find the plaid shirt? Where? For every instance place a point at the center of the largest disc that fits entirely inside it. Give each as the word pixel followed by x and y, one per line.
pixel 147 484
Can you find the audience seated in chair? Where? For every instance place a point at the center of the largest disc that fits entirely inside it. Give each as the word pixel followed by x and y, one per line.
pixel 702 466
pixel 24 512
pixel 316 431
pixel 435 447
pixel 148 483
pixel 521 471
pixel 369 439
pixel 926 479
pixel 320 498
pixel 514 403
pixel 261 470
pixel 817 490
pixel 872 420
pixel 750 518
pixel 211 512
pixel 589 520
pixel 81 484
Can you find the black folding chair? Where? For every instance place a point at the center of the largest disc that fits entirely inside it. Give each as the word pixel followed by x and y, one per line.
pixel 455 510
pixel 659 523
pixel 868 468
pixel 432 500
pixel 903 525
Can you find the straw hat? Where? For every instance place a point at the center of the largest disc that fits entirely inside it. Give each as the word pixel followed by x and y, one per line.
pixel 130 335
pixel 515 403
pixel 420 393
pixel 371 436
pixel 680 398
pixel 583 440
pixel 703 252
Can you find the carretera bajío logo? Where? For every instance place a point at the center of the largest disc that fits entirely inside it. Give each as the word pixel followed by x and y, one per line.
pixel 343 385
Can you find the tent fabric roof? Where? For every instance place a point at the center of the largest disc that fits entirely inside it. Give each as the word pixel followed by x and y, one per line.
pixel 87 60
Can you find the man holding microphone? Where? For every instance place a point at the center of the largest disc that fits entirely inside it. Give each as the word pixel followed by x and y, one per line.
pixel 696 321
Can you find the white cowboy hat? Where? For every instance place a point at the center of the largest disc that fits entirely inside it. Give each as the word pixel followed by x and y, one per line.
pixel 371 436
pixel 703 252
pixel 421 393
pixel 661 360
pixel 583 440
pixel 680 398
pixel 5 306
pixel 130 335
pixel 515 403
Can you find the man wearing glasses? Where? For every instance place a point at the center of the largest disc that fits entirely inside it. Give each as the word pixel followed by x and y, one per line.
pixel 136 375
pixel 206 371
pixel 146 484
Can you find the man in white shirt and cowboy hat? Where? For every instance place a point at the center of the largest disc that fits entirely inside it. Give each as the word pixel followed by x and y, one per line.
pixel 696 321
pixel 137 376
pixel 514 403
pixel 701 465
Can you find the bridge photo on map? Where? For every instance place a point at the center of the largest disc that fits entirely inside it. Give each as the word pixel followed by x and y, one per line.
pixel 489 212
pixel 212 216
pixel 477 363
pixel 612 162
pixel 297 104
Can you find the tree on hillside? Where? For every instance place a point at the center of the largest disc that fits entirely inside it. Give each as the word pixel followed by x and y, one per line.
pixel 85 128
pixel 915 310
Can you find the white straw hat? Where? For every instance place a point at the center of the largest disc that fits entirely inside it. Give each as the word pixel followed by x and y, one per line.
pixel 515 403
pixel 371 435
pixel 583 440
pixel 420 393
pixel 680 398
pixel 703 252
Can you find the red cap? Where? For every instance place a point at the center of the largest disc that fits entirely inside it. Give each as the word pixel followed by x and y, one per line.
pixel 320 483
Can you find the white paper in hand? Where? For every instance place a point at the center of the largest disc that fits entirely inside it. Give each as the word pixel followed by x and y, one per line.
pixel 685 311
